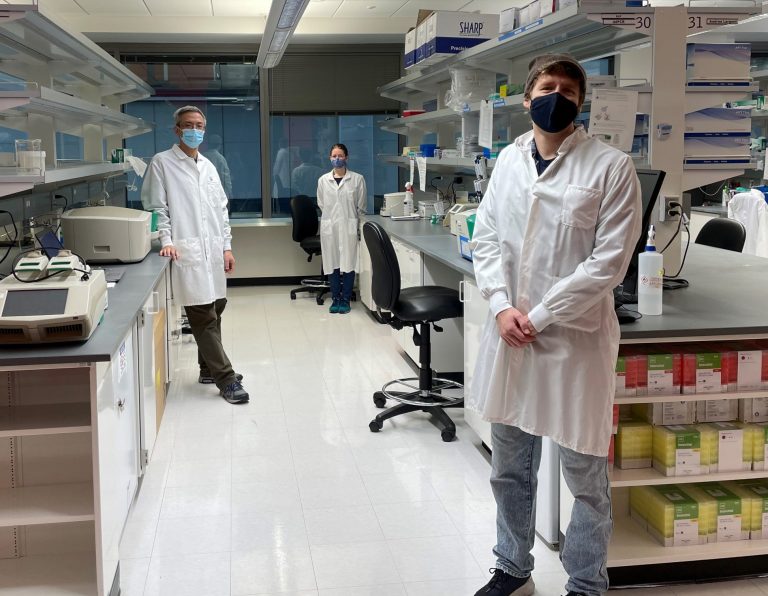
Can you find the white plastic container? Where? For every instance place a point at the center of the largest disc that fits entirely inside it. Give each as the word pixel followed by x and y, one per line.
pixel 650 278
pixel 408 201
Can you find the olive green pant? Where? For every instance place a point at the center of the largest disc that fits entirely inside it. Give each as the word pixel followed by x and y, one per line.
pixel 205 322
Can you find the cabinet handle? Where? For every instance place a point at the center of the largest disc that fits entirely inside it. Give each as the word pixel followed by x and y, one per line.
pixel 461 291
pixel 155 304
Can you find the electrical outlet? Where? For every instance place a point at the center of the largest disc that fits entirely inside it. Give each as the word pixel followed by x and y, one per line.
pixel 665 204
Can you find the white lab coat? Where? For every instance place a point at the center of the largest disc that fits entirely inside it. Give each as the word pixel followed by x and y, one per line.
pixel 341 204
pixel 554 246
pixel 751 210
pixel 192 216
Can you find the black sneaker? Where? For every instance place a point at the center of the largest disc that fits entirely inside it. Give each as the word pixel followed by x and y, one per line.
pixel 234 393
pixel 207 379
pixel 575 594
pixel 503 584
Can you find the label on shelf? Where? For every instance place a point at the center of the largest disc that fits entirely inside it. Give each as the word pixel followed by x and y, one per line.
pixel 730 450
pixel 703 22
pixel 660 374
pixel 637 22
pixel 687 462
pixel 521 30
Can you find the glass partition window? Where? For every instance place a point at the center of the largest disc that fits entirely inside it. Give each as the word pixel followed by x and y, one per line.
pixel 227 93
pixel 300 147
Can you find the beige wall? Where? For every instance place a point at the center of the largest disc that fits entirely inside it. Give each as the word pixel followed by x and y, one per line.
pixel 265 249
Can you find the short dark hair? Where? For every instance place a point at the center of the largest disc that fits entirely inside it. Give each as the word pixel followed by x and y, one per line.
pixel 341 146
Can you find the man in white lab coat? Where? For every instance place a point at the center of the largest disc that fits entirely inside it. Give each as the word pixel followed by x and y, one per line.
pixel 185 191
pixel 554 235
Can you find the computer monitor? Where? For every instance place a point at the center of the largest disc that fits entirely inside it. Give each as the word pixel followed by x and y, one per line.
pixel 650 186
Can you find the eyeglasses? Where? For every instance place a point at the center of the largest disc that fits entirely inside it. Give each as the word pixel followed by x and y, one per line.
pixel 191 126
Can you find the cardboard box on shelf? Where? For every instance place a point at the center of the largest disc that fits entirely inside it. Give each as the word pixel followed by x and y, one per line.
pixel 718 61
pixel 450 32
pixel 634 445
pixel 668 513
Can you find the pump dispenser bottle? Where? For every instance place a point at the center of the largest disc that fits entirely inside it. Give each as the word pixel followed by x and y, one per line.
pixel 408 201
pixel 650 277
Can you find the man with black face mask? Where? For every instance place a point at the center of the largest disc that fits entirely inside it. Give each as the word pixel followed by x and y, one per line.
pixel 554 235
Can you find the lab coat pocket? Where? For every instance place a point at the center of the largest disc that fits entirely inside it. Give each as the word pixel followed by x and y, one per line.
pixel 326 227
pixel 580 206
pixel 191 253
pixel 217 250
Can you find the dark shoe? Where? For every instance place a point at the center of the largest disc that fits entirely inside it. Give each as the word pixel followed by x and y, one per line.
pixel 575 594
pixel 234 393
pixel 207 379
pixel 344 307
pixel 503 584
pixel 335 306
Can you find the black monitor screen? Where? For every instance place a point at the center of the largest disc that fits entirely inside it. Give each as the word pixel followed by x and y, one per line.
pixel 650 186
pixel 31 303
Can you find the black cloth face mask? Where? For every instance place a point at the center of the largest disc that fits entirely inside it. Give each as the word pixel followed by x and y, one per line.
pixel 553 112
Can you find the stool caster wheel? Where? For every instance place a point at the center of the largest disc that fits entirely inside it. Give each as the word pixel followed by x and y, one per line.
pixel 379 400
pixel 293 295
pixel 375 426
pixel 320 301
pixel 448 435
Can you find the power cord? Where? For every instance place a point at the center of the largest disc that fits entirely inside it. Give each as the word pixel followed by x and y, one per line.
pixel 671 282
pixel 12 243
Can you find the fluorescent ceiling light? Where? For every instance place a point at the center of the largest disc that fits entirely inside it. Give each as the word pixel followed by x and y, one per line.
pixel 283 17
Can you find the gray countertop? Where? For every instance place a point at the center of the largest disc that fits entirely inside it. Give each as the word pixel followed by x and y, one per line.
pixel 711 210
pixel 126 299
pixel 727 296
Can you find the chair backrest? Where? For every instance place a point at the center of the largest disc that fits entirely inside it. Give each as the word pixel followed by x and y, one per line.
pixel 304 214
pixel 724 233
pixel 385 285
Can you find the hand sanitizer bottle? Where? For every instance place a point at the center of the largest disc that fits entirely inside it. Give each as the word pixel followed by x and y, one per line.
pixel 650 277
pixel 408 201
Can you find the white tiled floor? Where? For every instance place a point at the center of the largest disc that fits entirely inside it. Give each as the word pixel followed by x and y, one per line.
pixel 293 495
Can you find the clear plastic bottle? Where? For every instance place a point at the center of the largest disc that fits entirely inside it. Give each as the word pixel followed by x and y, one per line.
pixel 650 277
pixel 408 201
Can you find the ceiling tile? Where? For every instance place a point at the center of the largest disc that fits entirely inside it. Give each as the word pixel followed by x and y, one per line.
pixel 179 8
pixel 241 8
pixel 61 6
pixel 322 8
pixel 118 8
pixel 412 7
pixel 356 9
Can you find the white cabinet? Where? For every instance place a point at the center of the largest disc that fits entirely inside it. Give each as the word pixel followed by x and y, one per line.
pixel 68 473
pixel 364 273
pixel 476 312
pixel 411 275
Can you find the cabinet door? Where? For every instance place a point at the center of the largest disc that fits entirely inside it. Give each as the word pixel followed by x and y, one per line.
pixel 116 453
pixel 147 360
pixel 174 319
pixel 475 316
pixel 409 260
pixel 365 274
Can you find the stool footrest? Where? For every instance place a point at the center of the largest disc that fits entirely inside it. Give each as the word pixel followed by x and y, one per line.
pixel 443 393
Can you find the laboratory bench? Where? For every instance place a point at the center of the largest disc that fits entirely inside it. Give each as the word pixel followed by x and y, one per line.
pixel 77 427
pixel 725 301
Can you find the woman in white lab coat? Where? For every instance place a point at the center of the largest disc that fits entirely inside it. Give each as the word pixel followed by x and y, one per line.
pixel 342 197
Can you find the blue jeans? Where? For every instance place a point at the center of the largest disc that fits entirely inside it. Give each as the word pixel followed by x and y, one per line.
pixel 341 284
pixel 514 469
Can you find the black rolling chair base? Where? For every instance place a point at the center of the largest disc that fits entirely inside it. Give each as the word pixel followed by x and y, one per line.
pixel 319 288
pixel 414 399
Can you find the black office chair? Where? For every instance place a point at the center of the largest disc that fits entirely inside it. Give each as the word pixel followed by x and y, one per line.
pixel 720 232
pixel 417 307
pixel 305 228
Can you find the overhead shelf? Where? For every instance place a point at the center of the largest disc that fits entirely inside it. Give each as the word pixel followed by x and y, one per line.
pixel 35 505
pixel 702 97
pixel 69 113
pixel 13 181
pixel 697 175
pixel 48 419
pixel 30 40
pixel 452 164
pixel 632 545
pixel 567 30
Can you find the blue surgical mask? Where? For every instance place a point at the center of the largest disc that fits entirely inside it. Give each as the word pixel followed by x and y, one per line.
pixel 192 137
pixel 338 162
pixel 553 112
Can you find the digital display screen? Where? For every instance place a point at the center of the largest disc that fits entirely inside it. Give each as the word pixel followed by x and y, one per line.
pixel 31 303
